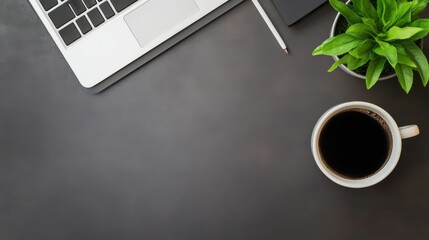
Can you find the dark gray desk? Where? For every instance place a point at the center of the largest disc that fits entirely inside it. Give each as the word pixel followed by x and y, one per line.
pixel 208 141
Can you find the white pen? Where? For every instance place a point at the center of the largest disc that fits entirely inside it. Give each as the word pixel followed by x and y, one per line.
pixel 270 25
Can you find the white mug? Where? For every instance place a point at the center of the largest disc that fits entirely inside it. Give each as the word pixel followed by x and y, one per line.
pixel 397 134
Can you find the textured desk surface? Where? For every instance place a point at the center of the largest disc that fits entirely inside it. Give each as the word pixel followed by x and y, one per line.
pixel 208 141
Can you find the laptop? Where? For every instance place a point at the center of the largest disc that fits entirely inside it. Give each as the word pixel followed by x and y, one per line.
pixel 294 10
pixel 100 37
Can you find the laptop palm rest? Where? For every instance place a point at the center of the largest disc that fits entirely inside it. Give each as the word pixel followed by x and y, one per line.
pixel 157 17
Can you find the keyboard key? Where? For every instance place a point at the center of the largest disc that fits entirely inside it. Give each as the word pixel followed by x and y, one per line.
pixel 90 3
pixel 61 15
pixel 107 10
pixel 120 5
pixel 69 34
pixel 84 25
pixel 77 6
pixel 48 4
pixel 95 17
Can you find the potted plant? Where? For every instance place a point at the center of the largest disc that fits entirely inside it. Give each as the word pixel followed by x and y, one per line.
pixel 379 38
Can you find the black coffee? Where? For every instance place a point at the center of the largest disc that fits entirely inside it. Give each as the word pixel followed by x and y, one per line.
pixel 355 143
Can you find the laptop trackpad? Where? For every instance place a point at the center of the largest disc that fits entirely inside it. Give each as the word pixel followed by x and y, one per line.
pixel 157 17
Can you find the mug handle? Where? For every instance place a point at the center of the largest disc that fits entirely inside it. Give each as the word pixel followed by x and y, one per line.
pixel 409 131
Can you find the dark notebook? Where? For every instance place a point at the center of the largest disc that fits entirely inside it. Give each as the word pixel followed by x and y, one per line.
pixel 293 10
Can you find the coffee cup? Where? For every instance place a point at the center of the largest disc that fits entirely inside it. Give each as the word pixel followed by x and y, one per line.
pixel 358 144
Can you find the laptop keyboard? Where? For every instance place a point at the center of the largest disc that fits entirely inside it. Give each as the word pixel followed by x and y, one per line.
pixel 75 18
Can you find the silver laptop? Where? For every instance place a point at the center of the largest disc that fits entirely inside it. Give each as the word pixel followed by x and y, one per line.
pixel 100 37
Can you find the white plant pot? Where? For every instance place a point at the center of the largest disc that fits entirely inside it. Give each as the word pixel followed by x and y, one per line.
pixel 342 66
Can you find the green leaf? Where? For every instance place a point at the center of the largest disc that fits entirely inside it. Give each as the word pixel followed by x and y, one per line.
pixel 337 45
pixel 404 13
pixel 374 71
pixel 405 60
pixel 363 50
pixel 380 8
pixel 403 57
pixel 381 36
pixel 397 33
pixel 405 76
pixel 346 11
pixel 360 30
pixel 372 55
pixel 418 6
pixel 372 24
pixel 353 63
pixel 419 58
pixel 387 50
pixel 420 23
pixel 389 11
pixel 340 61
pixel 366 9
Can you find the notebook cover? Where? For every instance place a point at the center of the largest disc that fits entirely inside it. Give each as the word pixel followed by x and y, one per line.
pixel 164 46
pixel 293 10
